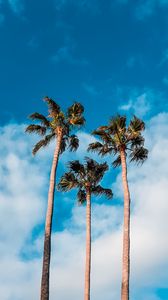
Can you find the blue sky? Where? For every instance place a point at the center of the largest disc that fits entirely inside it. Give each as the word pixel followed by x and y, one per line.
pixel 98 53
pixel 113 57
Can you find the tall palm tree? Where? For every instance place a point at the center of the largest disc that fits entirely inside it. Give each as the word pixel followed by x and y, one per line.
pixel 124 142
pixel 58 125
pixel 86 177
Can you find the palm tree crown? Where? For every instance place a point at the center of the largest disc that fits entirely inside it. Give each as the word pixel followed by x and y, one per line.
pixel 118 136
pixel 85 177
pixel 57 122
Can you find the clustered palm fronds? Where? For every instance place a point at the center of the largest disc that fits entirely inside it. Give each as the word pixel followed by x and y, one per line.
pixel 83 177
pixel 117 136
pixel 57 121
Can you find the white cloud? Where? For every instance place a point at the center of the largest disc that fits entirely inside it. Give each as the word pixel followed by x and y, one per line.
pixel 138 105
pixel 22 203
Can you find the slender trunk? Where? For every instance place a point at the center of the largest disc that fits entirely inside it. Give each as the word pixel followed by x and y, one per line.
pixel 126 231
pixel 88 245
pixel 48 224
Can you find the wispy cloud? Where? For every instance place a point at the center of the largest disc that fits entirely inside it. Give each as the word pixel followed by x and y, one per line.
pixel 143 103
pixel 2 18
pixel 144 8
pixel 17 6
pixel 33 43
pixel 131 62
pixel 84 5
pixel 164 58
pixel 147 8
pixel 138 105
pixel 90 89
pixel 67 53
pixel 165 81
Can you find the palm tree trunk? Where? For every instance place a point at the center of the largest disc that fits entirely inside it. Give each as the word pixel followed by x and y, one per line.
pixel 48 224
pixel 88 245
pixel 126 231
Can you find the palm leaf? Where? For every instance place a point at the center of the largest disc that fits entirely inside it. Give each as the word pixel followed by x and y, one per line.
pixel 117 124
pixel 117 162
pixel 63 145
pixel 43 143
pixel 68 181
pixel 41 118
pixel 90 164
pixel 75 109
pixel 137 141
pixel 52 105
pixel 76 167
pixel 99 172
pixel 139 155
pixel 106 150
pixel 99 191
pixel 136 125
pixel 103 135
pixel 41 130
pixel 74 114
pixel 73 143
pixel 94 147
pixel 81 196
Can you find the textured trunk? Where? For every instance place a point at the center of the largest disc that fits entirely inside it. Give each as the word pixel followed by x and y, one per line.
pixel 48 224
pixel 126 231
pixel 88 246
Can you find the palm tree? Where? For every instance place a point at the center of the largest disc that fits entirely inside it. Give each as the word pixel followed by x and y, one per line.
pixel 86 177
pixel 124 142
pixel 57 125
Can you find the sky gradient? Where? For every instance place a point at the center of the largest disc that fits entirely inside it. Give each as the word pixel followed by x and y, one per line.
pixel 112 56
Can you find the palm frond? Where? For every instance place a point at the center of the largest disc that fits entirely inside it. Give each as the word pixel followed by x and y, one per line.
pixel 139 155
pixel 117 162
pixel 77 121
pixel 99 191
pixel 73 142
pixel 117 124
pixel 43 143
pixel 104 127
pixel 52 105
pixel 75 114
pixel 76 167
pixel 41 118
pixel 105 136
pixel 137 141
pixel 99 172
pixel 90 164
pixel 76 109
pixel 32 128
pixel 68 181
pixel 107 150
pixel 58 120
pixel 63 145
pixel 81 196
pixel 95 147
pixel 136 125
